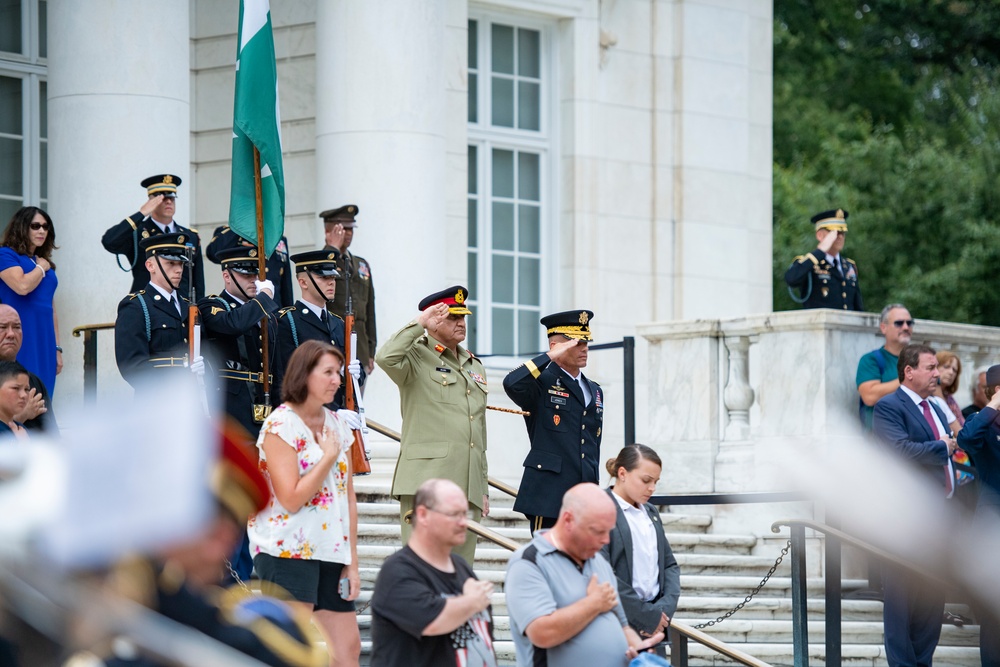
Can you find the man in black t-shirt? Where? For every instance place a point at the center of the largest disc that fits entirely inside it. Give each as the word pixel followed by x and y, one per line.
pixel 428 608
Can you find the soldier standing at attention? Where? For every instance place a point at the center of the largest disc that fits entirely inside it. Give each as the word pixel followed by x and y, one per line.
pixel 233 333
pixel 442 394
pixel 567 414
pixel 309 319
pixel 340 224
pixel 155 217
pixel 277 269
pixel 151 328
pixel 824 278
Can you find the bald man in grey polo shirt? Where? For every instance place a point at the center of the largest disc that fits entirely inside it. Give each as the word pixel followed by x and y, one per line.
pixel 562 596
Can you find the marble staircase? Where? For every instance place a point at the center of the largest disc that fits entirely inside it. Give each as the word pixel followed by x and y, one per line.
pixel 718 571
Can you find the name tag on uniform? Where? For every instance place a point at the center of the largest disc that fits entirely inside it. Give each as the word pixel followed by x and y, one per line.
pixel 557 399
pixel 440 369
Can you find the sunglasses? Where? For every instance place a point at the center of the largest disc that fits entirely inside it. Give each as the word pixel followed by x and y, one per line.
pixel 899 323
pixel 35 226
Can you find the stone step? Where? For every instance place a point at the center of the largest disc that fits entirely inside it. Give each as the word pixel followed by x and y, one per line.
pixel 775 608
pixel 719 585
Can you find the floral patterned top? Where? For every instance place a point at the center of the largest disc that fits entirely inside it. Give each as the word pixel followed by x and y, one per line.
pixel 320 530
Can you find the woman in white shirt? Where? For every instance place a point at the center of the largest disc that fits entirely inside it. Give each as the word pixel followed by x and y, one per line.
pixel 638 550
pixel 305 540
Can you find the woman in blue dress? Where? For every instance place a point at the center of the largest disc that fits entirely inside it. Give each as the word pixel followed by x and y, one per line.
pixel 28 283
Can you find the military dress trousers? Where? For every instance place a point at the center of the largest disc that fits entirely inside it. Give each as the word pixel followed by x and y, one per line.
pixel 565 433
pixel 821 285
pixel 443 403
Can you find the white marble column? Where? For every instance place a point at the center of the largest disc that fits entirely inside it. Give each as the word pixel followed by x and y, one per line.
pixel 118 111
pixel 381 122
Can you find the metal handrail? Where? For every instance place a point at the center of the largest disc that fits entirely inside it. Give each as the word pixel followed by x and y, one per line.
pixel 835 539
pixel 89 332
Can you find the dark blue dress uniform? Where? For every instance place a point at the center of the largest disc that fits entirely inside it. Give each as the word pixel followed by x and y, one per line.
pixel 277 270
pixel 150 334
pixel 299 323
pixel 234 341
pixel 821 284
pixel 565 431
pixel 125 238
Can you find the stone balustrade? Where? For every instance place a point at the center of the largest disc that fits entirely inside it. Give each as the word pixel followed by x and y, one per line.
pixel 727 395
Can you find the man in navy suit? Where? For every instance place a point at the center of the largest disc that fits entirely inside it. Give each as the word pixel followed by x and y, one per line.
pixel 918 431
pixel 980 437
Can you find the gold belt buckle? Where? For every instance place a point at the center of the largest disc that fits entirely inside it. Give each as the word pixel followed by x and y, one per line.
pixel 260 412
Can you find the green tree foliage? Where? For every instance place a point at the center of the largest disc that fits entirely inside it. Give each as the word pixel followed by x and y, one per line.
pixel 891 110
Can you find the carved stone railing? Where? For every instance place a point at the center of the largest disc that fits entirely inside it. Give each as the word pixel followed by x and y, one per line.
pixel 725 393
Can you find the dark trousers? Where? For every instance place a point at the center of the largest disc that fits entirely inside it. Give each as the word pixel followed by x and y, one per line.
pixel 536 523
pixel 241 561
pixel 911 616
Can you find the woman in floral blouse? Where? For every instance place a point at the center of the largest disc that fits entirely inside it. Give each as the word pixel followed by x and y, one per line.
pixel 305 540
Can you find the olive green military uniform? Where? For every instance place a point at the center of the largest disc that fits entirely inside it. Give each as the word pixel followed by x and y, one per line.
pixel 362 302
pixel 443 403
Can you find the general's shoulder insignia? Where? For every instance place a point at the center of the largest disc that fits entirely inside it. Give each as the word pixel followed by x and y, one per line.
pixel 439 348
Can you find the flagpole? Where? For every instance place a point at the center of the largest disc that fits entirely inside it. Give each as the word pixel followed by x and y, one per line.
pixel 262 275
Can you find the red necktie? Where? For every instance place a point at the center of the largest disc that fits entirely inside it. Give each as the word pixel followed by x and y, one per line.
pixel 949 478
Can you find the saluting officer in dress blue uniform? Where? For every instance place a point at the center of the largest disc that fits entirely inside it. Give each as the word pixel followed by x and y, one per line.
pixel 151 328
pixel 567 415
pixel 309 319
pixel 277 268
pixel 823 277
pixel 156 216
pixel 232 323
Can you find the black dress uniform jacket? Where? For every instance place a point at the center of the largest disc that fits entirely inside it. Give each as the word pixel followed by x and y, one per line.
pixel 150 333
pixel 821 285
pixel 277 268
pixel 565 433
pixel 124 238
pixel 298 324
pixel 233 338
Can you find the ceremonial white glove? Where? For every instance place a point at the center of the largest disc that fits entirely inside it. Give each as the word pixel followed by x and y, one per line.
pixel 265 286
pixel 351 418
pixel 197 366
pixel 354 368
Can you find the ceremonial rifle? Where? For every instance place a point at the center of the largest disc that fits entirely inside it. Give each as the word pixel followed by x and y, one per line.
pixel 360 460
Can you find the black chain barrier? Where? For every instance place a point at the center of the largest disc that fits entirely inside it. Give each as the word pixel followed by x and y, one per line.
pixel 784 552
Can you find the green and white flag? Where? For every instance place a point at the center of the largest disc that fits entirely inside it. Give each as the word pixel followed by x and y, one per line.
pixel 257 122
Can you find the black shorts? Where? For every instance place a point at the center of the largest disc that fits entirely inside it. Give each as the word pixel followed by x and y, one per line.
pixel 313 581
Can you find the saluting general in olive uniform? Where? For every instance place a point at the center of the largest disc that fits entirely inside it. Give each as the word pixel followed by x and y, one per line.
pixel 276 269
pixel 232 329
pixel 154 217
pixel 442 392
pixel 340 224
pixel 823 277
pixel 567 416
pixel 151 328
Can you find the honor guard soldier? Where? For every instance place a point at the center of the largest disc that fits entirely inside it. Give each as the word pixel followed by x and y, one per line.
pixel 310 319
pixel 151 328
pixel 277 270
pixel 154 217
pixel 232 326
pixel 339 224
pixel 442 395
pixel 823 277
pixel 567 414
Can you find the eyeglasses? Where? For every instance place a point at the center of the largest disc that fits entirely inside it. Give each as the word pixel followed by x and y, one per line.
pixel 899 323
pixel 35 226
pixel 454 516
